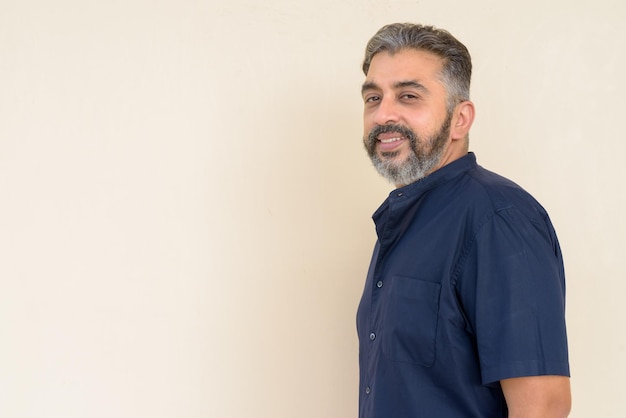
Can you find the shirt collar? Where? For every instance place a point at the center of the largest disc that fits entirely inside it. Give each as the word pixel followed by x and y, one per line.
pixel 418 188
pixel 437 177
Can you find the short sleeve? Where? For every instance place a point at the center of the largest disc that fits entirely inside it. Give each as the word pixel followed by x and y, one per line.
pixel 512 289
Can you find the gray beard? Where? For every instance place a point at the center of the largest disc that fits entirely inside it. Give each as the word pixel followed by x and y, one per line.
pixel 425 156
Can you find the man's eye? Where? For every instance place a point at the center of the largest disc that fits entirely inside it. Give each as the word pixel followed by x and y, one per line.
pixel 372 99
pixel 409 96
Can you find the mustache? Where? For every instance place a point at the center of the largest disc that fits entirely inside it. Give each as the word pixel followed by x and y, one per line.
pixel 383 129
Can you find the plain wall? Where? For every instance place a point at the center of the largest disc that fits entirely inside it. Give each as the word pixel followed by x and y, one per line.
pixel 185 202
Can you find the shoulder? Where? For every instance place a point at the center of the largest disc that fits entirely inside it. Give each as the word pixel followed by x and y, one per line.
pixel 497 209
pixel 499 194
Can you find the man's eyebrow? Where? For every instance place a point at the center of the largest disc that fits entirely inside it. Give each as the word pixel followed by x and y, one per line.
pixel 370 85
pixel 410 83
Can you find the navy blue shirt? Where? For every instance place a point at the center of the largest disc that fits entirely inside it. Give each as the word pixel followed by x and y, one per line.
pixel 466 287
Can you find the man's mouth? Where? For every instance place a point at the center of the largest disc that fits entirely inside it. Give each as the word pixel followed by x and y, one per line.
pixel 390 140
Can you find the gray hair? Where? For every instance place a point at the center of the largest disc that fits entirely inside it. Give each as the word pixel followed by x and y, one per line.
pixel 457 63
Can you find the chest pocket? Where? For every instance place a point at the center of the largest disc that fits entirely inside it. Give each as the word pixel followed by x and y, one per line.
pixel 411 321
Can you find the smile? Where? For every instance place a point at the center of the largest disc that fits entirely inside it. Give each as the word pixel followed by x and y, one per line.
pixel 390 140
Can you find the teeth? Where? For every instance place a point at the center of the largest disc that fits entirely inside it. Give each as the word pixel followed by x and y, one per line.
pixel 390 140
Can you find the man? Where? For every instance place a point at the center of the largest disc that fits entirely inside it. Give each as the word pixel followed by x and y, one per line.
pixel 463 309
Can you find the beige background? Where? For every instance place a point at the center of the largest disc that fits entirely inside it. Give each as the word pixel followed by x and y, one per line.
pixel 185 202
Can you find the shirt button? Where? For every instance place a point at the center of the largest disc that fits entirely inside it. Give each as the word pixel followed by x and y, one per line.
pixel 400 194
pixel 372 336
pixel 368 390
pixel 379 284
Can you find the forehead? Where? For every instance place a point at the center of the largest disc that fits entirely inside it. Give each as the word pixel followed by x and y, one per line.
pixel 406 64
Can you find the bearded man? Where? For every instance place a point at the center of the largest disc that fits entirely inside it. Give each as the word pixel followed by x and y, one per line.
pixel 463 311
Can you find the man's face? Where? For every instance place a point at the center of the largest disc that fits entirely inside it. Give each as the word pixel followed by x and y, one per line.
pixel 406 122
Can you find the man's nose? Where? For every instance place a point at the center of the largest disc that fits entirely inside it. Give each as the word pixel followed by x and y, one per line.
pixel 387 112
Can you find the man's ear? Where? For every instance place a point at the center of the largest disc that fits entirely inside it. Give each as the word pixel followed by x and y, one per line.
pixel 462 120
